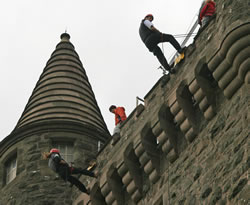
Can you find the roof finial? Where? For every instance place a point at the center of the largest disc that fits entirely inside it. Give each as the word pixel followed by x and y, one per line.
pixel 65 36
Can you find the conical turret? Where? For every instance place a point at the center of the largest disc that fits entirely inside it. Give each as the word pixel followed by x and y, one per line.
pixel 62 112
pixel 63 93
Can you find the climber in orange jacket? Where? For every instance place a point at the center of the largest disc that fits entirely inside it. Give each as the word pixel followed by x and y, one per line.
pixel 120 116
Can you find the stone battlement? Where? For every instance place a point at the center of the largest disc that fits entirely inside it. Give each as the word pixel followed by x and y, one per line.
pixel 188 143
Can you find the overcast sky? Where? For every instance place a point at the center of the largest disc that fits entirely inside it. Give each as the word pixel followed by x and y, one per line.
pixel 105 35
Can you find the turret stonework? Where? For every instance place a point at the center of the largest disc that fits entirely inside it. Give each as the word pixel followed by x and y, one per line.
pixel 62 112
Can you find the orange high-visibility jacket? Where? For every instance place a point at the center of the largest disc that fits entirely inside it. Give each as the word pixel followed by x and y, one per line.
pixel 120 115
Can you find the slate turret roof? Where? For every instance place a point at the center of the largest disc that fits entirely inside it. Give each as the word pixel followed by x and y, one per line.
pixel 63 92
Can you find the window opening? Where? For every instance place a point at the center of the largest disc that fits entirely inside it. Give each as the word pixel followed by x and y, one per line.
pixel 11 170
pixel 99 146
pixel 66 151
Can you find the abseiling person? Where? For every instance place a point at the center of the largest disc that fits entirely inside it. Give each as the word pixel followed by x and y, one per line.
pixel 62 168
pixel 151 37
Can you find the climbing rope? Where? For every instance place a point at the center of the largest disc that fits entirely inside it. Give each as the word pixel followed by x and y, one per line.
pixel 184 35
pixel 177 36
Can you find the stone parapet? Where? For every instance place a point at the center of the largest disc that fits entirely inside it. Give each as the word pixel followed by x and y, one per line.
pixel 189 144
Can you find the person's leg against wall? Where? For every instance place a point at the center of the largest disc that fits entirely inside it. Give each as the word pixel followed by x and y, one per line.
pixel 117 129
pixel 82 171
pixel 169 38
pixel 77 183
pixel 161 58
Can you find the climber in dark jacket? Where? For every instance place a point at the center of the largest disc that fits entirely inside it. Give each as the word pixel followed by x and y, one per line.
pixel 61 167
pixel 151 37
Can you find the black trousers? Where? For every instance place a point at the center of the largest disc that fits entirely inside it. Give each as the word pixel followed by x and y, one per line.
pixel 66 172
pixel 152 44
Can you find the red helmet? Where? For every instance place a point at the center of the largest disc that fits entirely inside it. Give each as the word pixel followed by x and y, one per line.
pixel 149 15
pixel 54 150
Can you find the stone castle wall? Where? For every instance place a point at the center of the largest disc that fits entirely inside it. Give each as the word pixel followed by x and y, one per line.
pixel 189 143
